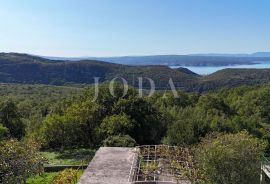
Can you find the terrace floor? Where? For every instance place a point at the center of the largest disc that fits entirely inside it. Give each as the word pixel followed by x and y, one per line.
pixel 111 165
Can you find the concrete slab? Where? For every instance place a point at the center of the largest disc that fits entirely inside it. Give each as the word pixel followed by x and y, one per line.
pixel 111 165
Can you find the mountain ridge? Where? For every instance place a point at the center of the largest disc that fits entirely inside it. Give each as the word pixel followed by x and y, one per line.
pixel 178 60
pixel 26 69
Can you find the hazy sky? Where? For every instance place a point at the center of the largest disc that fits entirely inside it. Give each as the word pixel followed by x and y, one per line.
pixel 134 27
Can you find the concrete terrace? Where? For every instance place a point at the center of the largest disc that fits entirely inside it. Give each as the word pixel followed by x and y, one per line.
pixel 111 165
pixel 115 165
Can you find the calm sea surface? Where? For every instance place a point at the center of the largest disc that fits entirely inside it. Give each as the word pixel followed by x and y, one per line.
pixel 204 70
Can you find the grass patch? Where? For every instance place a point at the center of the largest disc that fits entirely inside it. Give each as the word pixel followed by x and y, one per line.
pixel 69 157
pixel 47 178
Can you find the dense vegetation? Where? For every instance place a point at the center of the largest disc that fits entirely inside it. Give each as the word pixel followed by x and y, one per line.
pixel 22 68
pixel 29 104
pixel 62 118
pixel 23 107
pixel 177 121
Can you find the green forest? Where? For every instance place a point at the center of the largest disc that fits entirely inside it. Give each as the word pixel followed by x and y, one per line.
pixel 37 119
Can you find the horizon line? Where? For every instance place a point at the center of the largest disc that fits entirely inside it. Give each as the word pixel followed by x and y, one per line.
pixel 132 55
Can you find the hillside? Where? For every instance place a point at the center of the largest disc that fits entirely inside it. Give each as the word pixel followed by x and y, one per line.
pixel 22 68
pixel 234 77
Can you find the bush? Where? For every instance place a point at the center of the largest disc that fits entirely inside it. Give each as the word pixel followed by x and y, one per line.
pixel 119 141
pixel 230 158
pixel 18 161
pixel 4 132
pixel 67 176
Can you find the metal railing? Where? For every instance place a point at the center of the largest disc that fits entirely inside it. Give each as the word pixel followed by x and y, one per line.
pixel 265 163
pixel 158 163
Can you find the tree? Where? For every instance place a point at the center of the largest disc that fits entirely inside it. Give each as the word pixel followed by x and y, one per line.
pixel 167 99
pixel 11 119
pixel 255 102
pixel 61 131
pixel 87 117
pixel 18 161
pixel 54 131
pixel 149 124
pixel 181 131
pixel 117 124
pixel 212 104
pixel 230 158
pixel 187 126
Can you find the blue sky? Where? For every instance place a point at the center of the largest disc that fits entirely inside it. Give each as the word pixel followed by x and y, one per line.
pixel 134 27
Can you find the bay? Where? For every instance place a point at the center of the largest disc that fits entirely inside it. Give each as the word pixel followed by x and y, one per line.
pixel 205 70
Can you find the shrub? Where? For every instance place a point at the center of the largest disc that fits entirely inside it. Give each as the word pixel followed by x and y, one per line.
pixel 230 158
pixel 18 161
pixel 119 141
pixel 67 176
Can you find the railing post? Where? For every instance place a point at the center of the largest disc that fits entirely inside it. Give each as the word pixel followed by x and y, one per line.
pixel 262 175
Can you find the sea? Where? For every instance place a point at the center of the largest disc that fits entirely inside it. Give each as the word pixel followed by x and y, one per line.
pixel 206 70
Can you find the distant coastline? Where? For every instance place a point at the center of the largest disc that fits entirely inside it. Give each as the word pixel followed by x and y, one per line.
pixel 206 70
